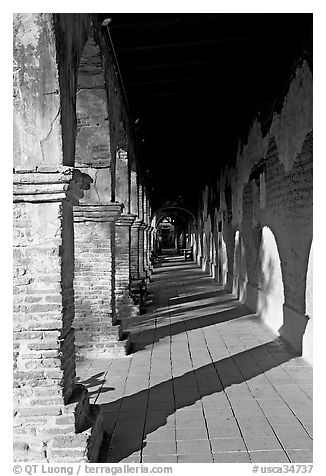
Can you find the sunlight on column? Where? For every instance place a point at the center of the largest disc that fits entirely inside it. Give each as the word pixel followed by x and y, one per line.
pixel 270 282
pixel 307 343
pixel 223 264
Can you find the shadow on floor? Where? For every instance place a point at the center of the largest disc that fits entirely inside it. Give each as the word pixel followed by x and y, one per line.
pixel 180 309
pixel 96 383
pixel 145 337
pixel 165 398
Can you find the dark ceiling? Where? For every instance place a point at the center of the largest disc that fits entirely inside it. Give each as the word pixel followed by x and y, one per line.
pixel 196 81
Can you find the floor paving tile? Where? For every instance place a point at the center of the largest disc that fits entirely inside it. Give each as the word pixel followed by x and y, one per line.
pixel 161 434
pixel 225 431
pixel 200 368
pixel 234 457
pixel 191 423
pixel 258 431
pixel 193 446
pixel 290 431
pixel 196 458
pixel 300 456
pixel 191 433
pixel 296 443
pixel 159 448
pixel 223 445
pixel 218 412
pixel 264 443
pixel 273 456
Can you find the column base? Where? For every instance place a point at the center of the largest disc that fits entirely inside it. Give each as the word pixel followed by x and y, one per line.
pixel 138 292
pixel 127 310
pixel 98 341
pixel 251 298
pixel 293 328
pixel 73 433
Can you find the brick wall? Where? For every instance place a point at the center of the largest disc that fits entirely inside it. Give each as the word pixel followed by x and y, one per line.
pixel 271 185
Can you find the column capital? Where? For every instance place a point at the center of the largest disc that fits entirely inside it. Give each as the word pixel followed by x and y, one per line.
pixel 137 223
pixel 49 185
pixel 126 219
pixel 143 226
pixel 108 212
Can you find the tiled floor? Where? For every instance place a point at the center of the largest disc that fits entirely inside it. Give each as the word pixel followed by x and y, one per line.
pixel 206 382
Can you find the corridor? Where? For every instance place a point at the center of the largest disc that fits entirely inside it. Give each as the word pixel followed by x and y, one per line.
pixel 205 381
pixel 133 133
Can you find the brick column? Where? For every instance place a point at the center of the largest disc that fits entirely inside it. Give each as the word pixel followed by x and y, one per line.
pixel 141 242
pixel 136 251
pixel 48 408
pixel 147 247
pixel 125 306
pixel 94 282
pixel 152 247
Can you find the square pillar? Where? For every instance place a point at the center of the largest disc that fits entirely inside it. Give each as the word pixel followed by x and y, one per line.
pixel 94 282
pixel 142 254
pixel 48 408
pixel 137 270
pixel 147 247
pixel 125 306
pixel 134 251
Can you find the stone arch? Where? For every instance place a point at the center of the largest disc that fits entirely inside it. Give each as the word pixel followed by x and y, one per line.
pixel 174 209
pixel 186 224
pixel 240 276
pixel 289 213
pixel 93 151
pixel 270 281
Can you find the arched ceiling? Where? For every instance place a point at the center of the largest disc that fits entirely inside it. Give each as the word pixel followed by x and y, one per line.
pixel 195 82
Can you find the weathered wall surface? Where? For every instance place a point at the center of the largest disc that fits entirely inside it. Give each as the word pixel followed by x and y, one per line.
pixel 37 130
pixel 269 186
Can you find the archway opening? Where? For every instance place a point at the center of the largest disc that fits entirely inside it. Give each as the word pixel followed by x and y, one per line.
pixel 174 229
pixel 167 234
pixel 270 282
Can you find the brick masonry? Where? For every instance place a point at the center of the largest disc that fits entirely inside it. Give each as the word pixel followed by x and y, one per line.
pixel 44 357
pixel 125 306
pixel 94 282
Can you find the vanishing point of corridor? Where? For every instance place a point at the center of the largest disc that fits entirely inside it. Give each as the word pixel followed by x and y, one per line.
pixel 205 381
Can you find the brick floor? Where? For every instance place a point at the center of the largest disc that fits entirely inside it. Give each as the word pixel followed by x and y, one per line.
pixel 206 381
